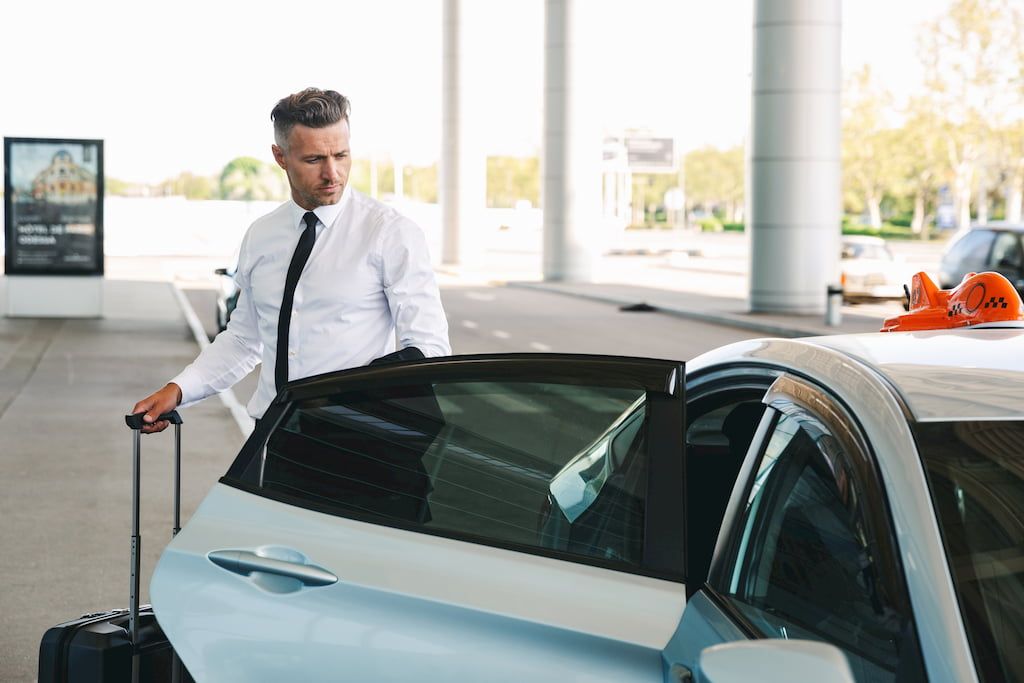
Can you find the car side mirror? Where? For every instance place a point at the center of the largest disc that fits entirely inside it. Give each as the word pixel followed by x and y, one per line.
pixel 775 661
pixel 221 271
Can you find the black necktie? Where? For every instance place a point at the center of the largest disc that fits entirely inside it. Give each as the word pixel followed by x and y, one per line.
pixel 284 320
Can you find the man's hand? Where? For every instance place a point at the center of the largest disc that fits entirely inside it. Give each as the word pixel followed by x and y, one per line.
pixel 155 405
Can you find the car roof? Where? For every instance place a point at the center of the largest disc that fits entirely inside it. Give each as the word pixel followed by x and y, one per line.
pixel 1000 225
pixel 960 374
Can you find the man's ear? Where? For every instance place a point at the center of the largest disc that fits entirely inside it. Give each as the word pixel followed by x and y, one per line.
pixel 279 156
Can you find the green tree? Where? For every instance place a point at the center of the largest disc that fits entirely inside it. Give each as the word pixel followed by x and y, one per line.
pixel 511 179
pixel 870 169
pixel 714 180
pixel 116 187
pixel 248 179
pixel 920 150
pixel 972 66
pixel 191 186
pixel 421 183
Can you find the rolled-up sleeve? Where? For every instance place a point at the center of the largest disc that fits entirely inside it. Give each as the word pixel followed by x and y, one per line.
pixel 233 353
pixel 411 289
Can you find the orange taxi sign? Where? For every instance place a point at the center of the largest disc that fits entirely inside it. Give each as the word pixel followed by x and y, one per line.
pixel 979 298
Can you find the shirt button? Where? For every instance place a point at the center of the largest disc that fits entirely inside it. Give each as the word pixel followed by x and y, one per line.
pixel 291 354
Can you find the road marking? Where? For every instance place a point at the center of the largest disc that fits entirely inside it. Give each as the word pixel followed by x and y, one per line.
pixel 539 347
pixel 478 296
pixel 227 397
pixel 501 334
pixel 470 324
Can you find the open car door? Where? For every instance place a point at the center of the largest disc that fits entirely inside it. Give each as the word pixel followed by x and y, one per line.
pixel 497 517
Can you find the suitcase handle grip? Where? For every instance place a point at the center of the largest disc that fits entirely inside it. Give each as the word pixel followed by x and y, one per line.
pixel 135 421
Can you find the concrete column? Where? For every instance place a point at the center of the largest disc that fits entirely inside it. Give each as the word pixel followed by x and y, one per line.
pixel 572 154
pixel 463 171
pixel 794 191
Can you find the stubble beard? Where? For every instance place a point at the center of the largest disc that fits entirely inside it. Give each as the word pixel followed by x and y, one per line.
pixel 313 200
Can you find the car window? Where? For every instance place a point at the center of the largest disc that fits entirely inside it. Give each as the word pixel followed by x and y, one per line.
pixel 717 437
pixel 531 465
pixel 970 254
pixel 805 562
pixel 977 486
pixel 1006 252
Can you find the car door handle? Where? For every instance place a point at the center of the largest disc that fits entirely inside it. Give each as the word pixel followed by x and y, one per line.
pixel 246 562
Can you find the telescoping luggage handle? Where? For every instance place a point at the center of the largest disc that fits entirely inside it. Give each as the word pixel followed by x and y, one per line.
pixel 136 423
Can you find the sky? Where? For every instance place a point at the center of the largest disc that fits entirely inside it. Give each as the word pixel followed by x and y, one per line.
pixel 189 85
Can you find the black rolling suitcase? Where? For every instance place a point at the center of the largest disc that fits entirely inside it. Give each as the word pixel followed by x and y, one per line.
pixel 122 645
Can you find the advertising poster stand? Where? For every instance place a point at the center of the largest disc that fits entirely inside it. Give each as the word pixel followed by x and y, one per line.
pixel 53 227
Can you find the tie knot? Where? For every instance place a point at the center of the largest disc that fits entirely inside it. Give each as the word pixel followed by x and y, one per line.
pixel 310 219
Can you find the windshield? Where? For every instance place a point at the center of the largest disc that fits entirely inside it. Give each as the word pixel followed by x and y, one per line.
pixel 856 250
pixel 976 474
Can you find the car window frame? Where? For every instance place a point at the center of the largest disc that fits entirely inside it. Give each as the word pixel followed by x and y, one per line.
pixel 662 380
pixel 796 396
pixel 719 386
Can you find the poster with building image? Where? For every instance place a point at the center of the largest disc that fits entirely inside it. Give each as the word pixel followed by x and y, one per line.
pixel 53 206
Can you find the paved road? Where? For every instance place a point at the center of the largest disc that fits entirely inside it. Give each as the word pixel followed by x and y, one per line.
pixel 486 319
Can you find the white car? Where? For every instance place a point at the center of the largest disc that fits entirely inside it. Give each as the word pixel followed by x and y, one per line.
pixel 554 517
pixel 870 271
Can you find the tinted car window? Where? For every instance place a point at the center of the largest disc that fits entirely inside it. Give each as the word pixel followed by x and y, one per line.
pixel 530 464
pixel 977 486
pixel 970 254
pixel 805 562
pixel 1006 252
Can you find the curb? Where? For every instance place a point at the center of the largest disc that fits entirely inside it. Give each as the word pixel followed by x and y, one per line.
pixel 768 329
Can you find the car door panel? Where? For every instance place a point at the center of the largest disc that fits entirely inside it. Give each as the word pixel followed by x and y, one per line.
pixel 704 624
pixel 434 608
pixel 433 590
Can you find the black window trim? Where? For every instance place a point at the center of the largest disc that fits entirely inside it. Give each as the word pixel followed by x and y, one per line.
pixel 663 380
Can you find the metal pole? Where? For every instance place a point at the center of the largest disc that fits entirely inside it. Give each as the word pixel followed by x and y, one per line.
pixel 177 480
pixel 133 594
pixel 175 660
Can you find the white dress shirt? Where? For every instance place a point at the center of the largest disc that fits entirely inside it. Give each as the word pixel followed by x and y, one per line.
pixel 368 277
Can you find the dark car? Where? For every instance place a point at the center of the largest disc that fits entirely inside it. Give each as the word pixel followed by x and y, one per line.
pixel 227 296
pixel 995 246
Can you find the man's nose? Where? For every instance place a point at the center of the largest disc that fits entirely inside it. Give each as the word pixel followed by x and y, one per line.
pixel 329 169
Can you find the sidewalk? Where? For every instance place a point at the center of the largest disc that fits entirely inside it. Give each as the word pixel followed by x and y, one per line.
pixel 706 290
pixel 718 310
pixel 65 459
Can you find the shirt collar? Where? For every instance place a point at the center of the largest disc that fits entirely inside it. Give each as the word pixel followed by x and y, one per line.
pixel 326 214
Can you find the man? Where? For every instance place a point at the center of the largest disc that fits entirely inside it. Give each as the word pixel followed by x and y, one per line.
pixel 327 279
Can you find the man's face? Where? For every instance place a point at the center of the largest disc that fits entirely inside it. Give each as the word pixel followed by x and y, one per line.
pixel 317 161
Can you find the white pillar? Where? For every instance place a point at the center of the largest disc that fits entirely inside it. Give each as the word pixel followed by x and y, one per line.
pixel 463 169
pixel 572 155
pixel 794 193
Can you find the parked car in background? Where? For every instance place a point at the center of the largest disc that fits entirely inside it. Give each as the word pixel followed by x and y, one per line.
pixel 869 271
pixel 991 247
pixel 227 296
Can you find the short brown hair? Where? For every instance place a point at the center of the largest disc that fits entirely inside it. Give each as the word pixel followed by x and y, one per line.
pixel 311 107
